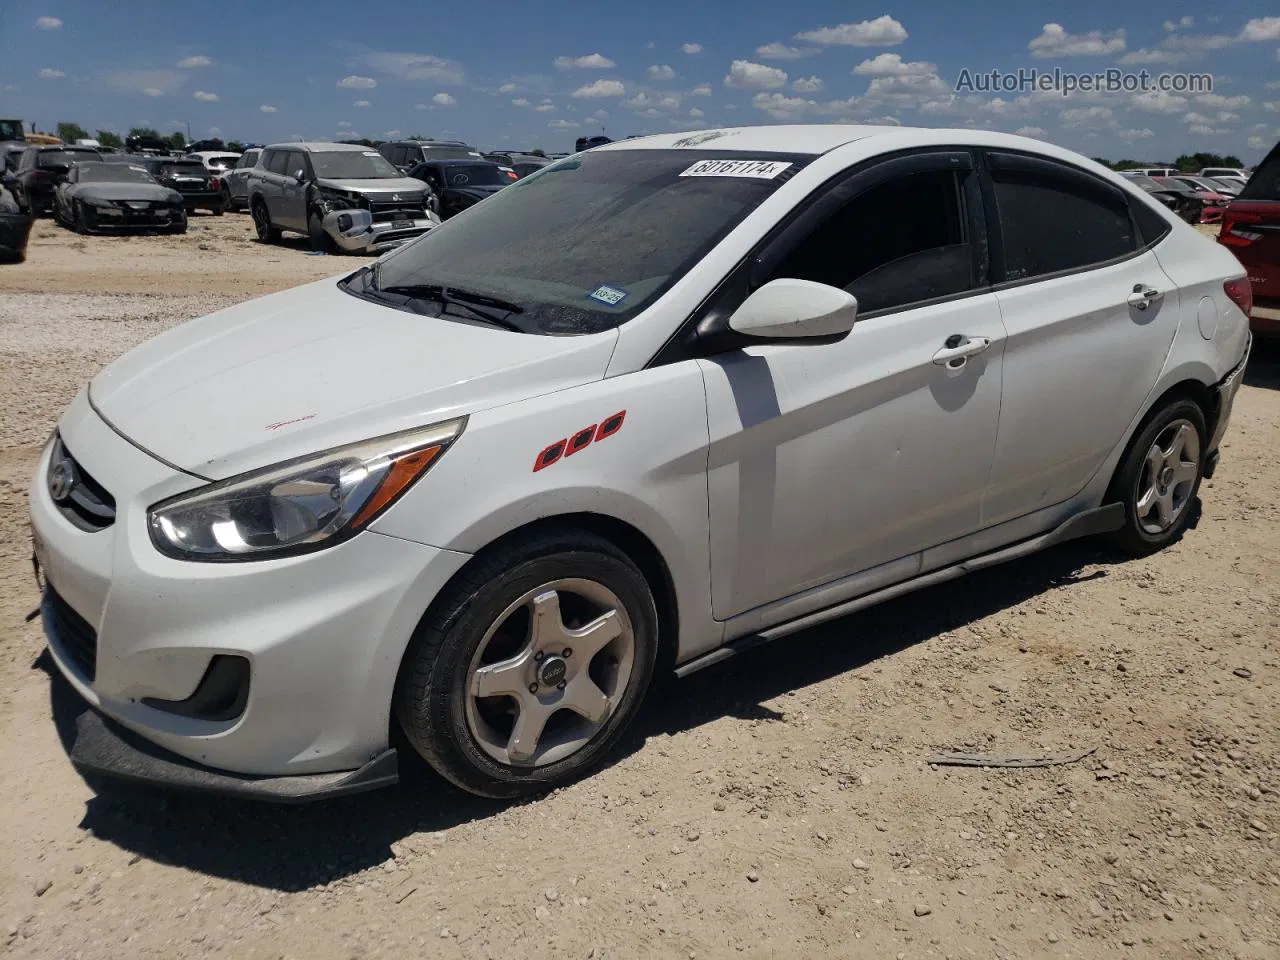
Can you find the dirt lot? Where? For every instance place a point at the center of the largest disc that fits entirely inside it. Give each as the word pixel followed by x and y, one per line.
pixel 777 806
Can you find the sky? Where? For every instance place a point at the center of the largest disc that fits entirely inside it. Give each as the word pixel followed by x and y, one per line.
pixel 526 75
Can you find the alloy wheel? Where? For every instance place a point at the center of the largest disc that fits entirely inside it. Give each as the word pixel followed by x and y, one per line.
pixel 549 673
pixel 1168 476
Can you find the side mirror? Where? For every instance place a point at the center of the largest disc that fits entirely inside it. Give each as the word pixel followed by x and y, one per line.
pixel 300 176
pixel 787 309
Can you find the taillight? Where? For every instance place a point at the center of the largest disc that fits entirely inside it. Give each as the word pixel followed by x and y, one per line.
pixel 1240 292
pixel 1235 229
pixel 215 183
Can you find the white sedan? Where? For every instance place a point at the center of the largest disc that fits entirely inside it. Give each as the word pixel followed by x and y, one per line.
pixel 648 406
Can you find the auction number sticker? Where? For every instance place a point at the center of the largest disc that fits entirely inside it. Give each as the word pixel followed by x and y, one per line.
pixel 749 169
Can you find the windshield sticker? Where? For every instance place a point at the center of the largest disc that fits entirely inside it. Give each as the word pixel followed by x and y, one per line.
pixel 750 169
pixel 372 153
pixel 609 296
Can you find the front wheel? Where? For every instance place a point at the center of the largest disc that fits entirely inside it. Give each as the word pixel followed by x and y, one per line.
pixel 77 218
pixel 529 668
pixel 1159 477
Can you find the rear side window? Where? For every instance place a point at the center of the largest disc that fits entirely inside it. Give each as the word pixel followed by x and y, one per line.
pixel 1152 227
pixel 277 160
pixel 1054 218
pixel 1265 182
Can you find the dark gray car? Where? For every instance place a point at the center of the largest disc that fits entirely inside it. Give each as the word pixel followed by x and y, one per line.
pixel 344 197
pixel 235 182
pixel 101 197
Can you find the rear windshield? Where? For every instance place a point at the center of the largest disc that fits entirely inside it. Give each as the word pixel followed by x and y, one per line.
pixel 1265 182
pixel 186 168
pixel 625 225
pixel 50 159
pixel 472 175
pixel 434 152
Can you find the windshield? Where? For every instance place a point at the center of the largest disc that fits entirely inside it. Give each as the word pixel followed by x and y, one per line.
pixel 1146 183
pixel 113 173
pixel 223 163
pixel 11 130
pixel 353 165
pixel 50 159
pixel 472 175
pixel 587 243
pixel 188 168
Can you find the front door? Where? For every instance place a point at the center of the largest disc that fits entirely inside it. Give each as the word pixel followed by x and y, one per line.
pixel 293 193
pixel 827 459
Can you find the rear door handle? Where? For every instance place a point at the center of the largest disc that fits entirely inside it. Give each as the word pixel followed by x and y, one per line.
pixel 1143 296
pixel 955 356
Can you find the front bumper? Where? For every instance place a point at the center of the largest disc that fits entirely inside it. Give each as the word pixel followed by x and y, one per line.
pixel 15 228
pixel 101 219
pixel 323 633
pixel 363 235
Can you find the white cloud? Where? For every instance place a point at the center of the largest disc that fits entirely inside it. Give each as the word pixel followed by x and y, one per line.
pixel 1257 143
pixel 444 100
pixel 205 96
pixel 1030 131
pixel 344 123
pixel 600 88
pixel 1263 28
pixel 520 102
pixel 411 66
pixel 1204 130
pixel 48 23
pixel 1271 106
pixel 1134 134
pixel 1054 41
pixel 545 108
pixel 508 88
pixel 892 65
pixel 744 73
pixel 563 124
pixel 1145 55
pixel 268 108
pixel 661 71
pixel 807 85
pixel 781 107
pixel 883 31
pixel 153 91
pixel 10 88
pixel 642 100
pixel 701 90
pixel 391 133
pixel 1084 116
pixel 1218 102
pixel 601 115
pixel 153 83
pixel 362 104
pixel 1157 101
pixel 691 48
pixel 48 73
pixel 592 61
pixel 780 51
pixel 357 83
pixel 196 61
pixel 696 113
pixel 908 90
pixel 1185 22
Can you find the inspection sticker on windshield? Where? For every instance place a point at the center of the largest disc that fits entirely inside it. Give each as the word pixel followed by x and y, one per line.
pixel 606 294
pixel 750 169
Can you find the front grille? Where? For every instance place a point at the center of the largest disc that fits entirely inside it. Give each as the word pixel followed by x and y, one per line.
pixel 391 236
pixel 392 210
pixel 76 495
pixel 73 634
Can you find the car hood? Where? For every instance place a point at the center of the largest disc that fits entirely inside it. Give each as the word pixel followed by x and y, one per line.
pixel 123 191
pixel 313 368
pixel 406 186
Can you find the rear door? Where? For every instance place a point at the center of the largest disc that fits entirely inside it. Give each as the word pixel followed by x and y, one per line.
pixel 293 191
pixel 271 179
pixel 1251 229
pixel 1090 317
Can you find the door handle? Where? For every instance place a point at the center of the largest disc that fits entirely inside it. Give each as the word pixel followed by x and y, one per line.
pixel 955 356
pixel 1143 296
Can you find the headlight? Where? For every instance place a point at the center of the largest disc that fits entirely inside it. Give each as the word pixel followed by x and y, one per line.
pixel 331 202
pixel 99 202
pixel 299 506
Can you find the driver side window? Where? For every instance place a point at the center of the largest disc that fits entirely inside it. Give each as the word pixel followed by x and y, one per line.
pixel 900 242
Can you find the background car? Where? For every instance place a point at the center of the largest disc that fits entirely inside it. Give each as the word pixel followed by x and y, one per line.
pixel 1233 173
pixel 460 184
pixel 200 189
pixel 522 164
pixel 1178 197
pixel 1251 230
pixel 1225 188
pixel 235 182
pixel 102 197
pixel 406 154
pixel 15 228
pixel 215 161
pixel 41 169
pixel 1212 203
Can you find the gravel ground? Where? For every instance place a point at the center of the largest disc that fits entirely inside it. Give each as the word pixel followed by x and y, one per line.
pixel 780 805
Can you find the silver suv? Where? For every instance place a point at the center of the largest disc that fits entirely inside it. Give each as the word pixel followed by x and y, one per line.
pixel 346 198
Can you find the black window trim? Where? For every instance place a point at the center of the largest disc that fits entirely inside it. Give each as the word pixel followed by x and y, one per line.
pixel 701 334
pixel 1050 165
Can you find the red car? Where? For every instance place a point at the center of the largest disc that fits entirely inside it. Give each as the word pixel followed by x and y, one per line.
pixel 1251 228
pixel 1214 203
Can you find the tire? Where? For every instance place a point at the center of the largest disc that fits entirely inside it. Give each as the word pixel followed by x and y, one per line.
pixel 1158 478
pixel 77 218
pixel 321 242
pixel 262 223
pixel 226 199
pixel 216 209
pixel 486 617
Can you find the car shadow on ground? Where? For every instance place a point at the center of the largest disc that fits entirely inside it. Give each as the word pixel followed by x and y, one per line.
pixel 1264 364
pixel 297 847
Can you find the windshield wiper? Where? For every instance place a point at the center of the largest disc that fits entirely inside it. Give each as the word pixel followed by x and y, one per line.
pixel 475 303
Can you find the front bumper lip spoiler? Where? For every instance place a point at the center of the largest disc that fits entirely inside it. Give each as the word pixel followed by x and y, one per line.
pixel 103 747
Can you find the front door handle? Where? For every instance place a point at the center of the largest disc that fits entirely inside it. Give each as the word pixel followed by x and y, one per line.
pixel 955 356
pixel 1143 296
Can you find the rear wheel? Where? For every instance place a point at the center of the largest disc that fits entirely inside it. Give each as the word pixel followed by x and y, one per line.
pixel 262 223
pixel 227 202
pixel 216 209
pixel 1159 477
pixel 530 667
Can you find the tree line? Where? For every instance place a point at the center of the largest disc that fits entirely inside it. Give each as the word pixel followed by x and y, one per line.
pixel 71 132
pixel 1186 163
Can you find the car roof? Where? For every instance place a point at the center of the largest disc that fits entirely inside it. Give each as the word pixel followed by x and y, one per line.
pixel 309 146
pixel 458 161
pixel 213 153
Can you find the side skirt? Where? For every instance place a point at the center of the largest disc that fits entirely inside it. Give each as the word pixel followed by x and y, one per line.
pixel 1087 524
